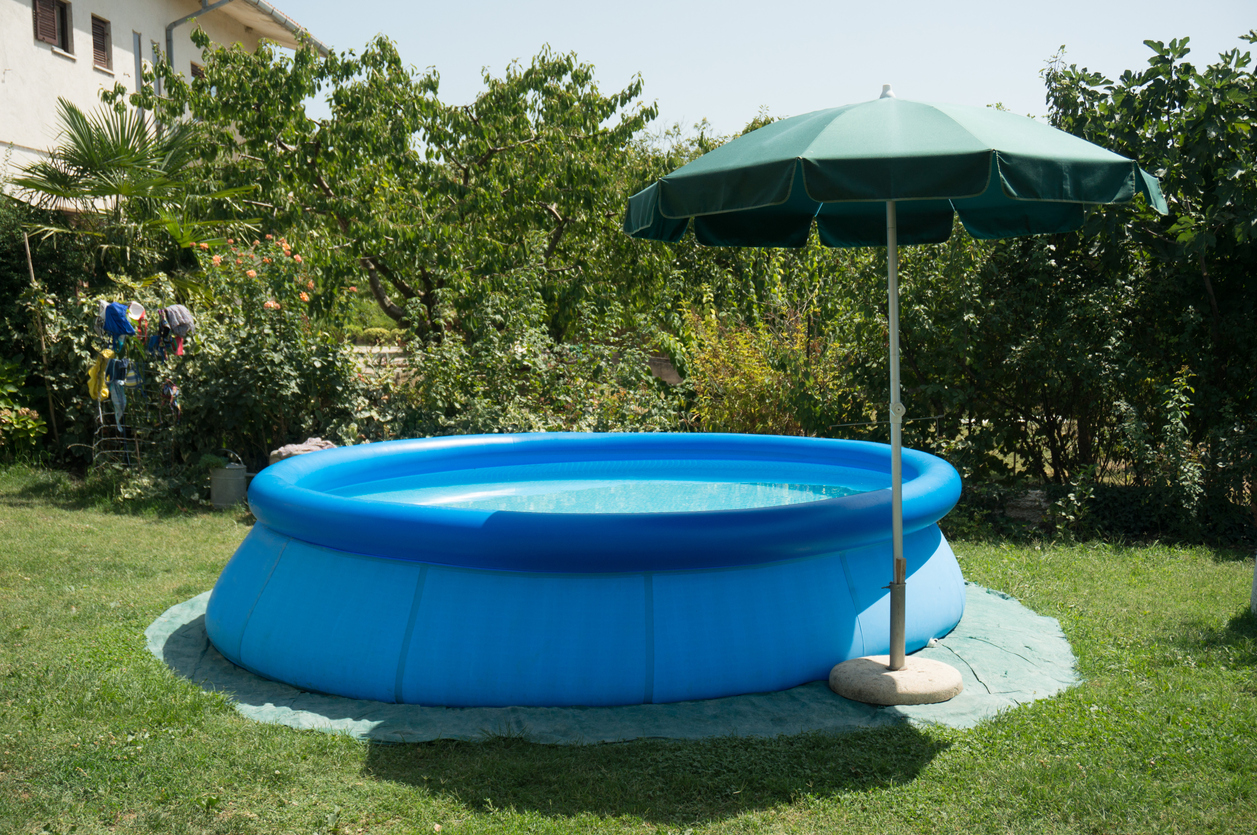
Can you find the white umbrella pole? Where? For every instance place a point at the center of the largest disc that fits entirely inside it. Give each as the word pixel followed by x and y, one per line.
pixel 898 583
pixel 903 681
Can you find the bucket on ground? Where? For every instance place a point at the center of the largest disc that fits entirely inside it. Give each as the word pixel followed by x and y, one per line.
pixel 228 484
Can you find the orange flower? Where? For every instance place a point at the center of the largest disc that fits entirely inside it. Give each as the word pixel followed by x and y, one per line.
pixel 353 289
pixel 230 242
pixel 255 243
pixel 204 246
pixel 216 260
pixel 238 261
pixel 297 258
pixel 266 260
pixel 271 304
pixel 270 237
pixel 251 273
pixel 304 296
pixel 310 284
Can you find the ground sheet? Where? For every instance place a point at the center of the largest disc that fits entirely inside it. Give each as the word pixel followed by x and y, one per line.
pixel 1007 655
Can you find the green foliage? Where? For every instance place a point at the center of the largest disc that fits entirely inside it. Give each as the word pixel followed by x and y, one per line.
pixel 21 427
pixel 431 206
pixel 776 377
pixel 1196 301
pixel 63 267
pixel 378 336
pixel 129 185
pixel 265 370
pixel 489 230
pixel 519 379
pixel 1169 462
pixel 210 461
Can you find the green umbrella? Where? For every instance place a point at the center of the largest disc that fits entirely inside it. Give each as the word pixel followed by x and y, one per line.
pixel 882 173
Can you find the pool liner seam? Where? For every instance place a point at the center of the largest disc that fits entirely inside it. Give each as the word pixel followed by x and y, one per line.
pixel 649 641
pixel 855 604
pixel 261 591
pixel 420 581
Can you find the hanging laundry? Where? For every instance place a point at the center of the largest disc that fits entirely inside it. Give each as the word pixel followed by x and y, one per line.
pixel 116 321
pixel 162 342
pixel 154 347
pixel 181 323
pixel 118 369
pixel 99 326
pixel 98 376
pixel 170 399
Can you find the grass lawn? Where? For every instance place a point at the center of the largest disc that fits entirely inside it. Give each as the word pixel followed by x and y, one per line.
pixel 97 736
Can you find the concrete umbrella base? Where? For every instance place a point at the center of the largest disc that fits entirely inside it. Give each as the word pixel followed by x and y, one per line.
pixel 870 680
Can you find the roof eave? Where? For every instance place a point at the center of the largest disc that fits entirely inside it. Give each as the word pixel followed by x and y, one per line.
pixel 269 22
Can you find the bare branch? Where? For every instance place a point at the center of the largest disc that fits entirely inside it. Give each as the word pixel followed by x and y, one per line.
pixel 557 235
pixel 386 304
pixel 393 278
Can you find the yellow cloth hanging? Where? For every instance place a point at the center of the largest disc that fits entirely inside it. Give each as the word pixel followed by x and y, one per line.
pixel 97 378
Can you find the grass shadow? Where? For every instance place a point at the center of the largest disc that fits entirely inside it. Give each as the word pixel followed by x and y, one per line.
pixel 30 487
pixel 1222 555
pixel 1233 643
pixel 662 782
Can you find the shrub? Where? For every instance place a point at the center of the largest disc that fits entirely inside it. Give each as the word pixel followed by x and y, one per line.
pixel 378 336
pixel 262 369
pixel 776 377
pixel 519 379
pixel 21 428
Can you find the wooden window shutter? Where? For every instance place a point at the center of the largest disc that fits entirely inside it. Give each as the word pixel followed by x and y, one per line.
pixel 46 21
pixel 197 70
pixel 100 42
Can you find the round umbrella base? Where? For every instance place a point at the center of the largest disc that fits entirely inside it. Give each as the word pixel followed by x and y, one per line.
pixel 870 680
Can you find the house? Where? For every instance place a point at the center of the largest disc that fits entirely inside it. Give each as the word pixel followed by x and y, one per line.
pixel 73 48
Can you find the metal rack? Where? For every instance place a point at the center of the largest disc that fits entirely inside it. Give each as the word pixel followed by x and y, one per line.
pixel 132 438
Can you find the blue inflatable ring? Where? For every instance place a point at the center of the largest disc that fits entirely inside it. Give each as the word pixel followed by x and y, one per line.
pixel 341 589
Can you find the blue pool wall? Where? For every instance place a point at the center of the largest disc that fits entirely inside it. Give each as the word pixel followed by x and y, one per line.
pixel 310 599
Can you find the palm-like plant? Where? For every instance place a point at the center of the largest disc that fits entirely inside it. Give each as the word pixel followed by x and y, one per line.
pixel 130 185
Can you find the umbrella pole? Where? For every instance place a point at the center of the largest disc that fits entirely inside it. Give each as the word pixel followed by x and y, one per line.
pixel 899 582
pixel 898 682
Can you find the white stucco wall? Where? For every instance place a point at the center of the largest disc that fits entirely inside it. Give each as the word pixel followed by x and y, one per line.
pixel 33 73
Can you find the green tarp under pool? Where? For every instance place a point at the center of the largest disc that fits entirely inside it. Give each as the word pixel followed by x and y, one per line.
pixel 1007 655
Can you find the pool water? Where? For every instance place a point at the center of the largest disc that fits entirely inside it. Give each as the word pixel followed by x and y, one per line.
pixel 661 486
pixel 592 496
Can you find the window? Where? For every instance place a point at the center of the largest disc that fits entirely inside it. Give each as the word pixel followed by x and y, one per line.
pixel 197 70
pixel 102 43
pixel 53 24
pixel 137 48
pixel 156 52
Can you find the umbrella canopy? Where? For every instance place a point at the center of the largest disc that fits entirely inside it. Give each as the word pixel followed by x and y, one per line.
pixel 881 173
pixel 1005 175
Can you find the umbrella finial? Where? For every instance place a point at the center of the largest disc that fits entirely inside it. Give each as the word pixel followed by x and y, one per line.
pixel 887 93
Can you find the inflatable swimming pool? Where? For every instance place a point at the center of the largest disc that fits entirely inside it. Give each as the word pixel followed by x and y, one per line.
pixel 580 569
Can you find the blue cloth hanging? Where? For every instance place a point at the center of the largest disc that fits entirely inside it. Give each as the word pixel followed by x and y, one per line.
pixel 116 320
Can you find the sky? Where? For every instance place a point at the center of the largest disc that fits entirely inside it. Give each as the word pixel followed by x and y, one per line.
pixel 724 61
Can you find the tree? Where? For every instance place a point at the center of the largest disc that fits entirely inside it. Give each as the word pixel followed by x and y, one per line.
pixel 1194 129
pixel 451 214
